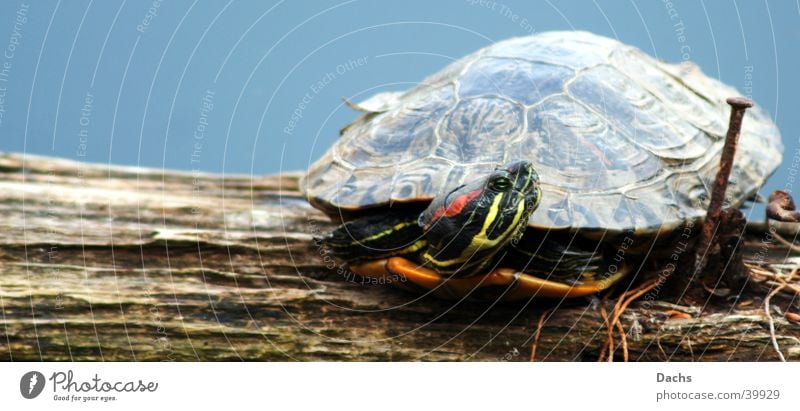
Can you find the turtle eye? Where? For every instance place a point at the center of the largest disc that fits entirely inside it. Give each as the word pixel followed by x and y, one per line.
pixel 500 184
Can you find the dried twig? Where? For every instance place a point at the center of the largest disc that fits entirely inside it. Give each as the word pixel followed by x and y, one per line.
pixel 792 246
pixel 775 279
pixel 781 284
pixel 634 294
pixel 608 347
pixel 538 333
pixel 622 303
pixel 660 348
pixel 772 322
pixel 624 341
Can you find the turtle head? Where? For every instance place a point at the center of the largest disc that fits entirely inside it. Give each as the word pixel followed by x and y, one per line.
pixel 468 225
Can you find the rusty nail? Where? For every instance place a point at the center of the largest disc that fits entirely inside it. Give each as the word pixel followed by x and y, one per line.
pixel 738 107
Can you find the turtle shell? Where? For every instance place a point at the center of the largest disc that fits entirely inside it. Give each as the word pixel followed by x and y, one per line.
pixel 621 140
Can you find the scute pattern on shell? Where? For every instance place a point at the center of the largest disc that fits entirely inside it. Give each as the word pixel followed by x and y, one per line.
pixel 621 141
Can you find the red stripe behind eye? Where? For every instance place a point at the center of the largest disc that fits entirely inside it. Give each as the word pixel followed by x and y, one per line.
pixel 455 206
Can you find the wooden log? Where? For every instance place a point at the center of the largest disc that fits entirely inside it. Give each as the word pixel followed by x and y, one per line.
pixel 120 263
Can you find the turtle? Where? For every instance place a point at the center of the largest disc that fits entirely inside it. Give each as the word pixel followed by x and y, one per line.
pixel 539 166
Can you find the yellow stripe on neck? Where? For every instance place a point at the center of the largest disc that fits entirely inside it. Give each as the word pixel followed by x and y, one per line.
pixel 383 233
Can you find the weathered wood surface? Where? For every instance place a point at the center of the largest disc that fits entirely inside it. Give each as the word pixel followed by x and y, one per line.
pixel 116 263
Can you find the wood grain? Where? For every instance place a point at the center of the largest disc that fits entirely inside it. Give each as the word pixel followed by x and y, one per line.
pixel 119 263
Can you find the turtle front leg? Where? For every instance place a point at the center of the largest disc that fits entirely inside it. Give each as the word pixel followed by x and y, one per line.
pixel 412 275
pixel 525 286
pixel 415 277
pixel 520 285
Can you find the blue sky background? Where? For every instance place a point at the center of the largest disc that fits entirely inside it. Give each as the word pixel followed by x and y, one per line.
pixel 126 82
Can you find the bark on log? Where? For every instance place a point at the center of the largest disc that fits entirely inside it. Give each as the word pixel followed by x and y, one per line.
pixel 120 263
